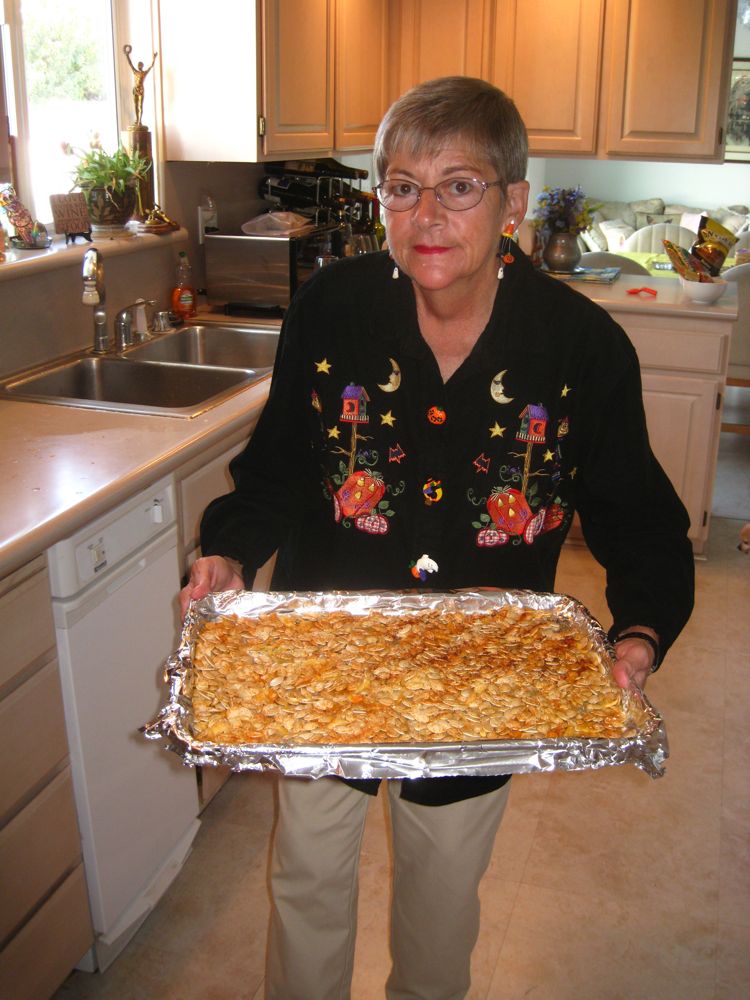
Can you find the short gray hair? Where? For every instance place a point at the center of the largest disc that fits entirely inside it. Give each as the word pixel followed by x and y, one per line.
pixel 427 117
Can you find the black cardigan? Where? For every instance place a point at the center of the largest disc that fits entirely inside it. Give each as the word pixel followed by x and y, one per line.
pixel 363 460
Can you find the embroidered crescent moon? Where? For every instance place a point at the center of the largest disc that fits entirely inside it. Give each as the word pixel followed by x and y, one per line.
pixel 496 389
pixel 394 379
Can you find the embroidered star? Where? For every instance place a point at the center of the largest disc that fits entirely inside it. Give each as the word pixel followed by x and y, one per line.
pixel 387 418
pixel 548 456
pixel 496 431
pixel 323 366
pixel 565 390
pixel 333 432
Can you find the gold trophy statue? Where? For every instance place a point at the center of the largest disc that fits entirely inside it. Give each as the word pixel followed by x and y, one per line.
pixel 137 137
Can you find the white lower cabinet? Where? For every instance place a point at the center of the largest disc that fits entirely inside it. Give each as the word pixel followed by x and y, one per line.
pixel 683 368
pixel 681 414
pixel 45 925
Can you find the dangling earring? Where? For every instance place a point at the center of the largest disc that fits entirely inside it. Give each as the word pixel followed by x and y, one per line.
pixel 394 273
pixel 506 257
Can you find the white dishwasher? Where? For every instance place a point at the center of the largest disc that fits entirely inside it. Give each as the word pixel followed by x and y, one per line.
pixel 114 588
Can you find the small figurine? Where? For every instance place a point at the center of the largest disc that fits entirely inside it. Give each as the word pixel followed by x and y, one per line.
pixel 140 75
pixel 30 235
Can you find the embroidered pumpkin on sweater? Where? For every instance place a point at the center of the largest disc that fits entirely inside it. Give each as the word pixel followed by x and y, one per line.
pixel 509 511
pixel 372 524
pixel 360 494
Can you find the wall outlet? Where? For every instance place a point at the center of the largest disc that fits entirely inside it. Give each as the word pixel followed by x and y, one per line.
pixel 208 221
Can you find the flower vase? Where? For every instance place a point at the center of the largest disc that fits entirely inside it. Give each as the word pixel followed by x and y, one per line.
pixel 562 252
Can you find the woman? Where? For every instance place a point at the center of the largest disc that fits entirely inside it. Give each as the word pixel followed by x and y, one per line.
pixel 435 418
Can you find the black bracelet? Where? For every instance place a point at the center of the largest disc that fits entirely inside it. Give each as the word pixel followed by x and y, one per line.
pixel 653 643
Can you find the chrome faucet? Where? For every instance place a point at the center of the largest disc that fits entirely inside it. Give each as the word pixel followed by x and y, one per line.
pixel 124 324
pixel 93 295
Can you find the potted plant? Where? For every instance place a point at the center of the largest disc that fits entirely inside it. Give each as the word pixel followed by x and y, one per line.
pixel 110 183
pixel 561 214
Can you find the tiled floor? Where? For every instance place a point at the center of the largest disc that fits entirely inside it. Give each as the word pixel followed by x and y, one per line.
pixel 604 885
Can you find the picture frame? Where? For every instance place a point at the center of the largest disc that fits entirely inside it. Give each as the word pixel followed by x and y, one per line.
pixel 737 148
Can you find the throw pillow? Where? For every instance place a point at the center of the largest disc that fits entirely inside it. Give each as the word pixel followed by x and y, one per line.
pixel 654 206
pixel 616 231
pixel 730 220
pixel 594 238
pixel 614 210
pixel 693 209
pixel 691 221
pixel 593 241
pixel 673 219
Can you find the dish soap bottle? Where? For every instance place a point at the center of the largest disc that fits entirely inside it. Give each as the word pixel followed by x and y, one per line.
pixel 183 293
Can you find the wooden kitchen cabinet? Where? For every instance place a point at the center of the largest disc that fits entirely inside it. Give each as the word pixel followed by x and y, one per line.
pixel 665 78
pixel 547 55
pixel 297 64
pixel 362 71
pixel 45 925
pixel 434 38
pixel 616 78
pixel 295 78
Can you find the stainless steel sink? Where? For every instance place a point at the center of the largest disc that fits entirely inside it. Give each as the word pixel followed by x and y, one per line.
pixel 124 384
pixel 226 346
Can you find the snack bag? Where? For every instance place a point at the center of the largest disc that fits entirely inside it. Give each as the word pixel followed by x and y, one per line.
pixel 713 244
pixel 686 264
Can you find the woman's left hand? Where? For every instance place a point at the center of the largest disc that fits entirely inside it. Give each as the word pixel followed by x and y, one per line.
pixel 634 659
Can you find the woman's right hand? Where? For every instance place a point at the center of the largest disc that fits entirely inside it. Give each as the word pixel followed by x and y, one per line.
pixel 208 575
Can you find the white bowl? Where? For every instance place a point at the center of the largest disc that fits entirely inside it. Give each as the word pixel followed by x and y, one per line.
pixel 704 291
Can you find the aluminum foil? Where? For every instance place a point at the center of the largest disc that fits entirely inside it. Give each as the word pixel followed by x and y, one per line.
pixel 648 750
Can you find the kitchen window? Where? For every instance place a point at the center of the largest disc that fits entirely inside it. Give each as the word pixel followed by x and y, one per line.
pixel 61 63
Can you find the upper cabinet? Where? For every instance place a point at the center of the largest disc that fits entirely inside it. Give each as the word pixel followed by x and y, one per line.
pixel 361 71
pixel 605 78
pixel 616 78
pixel 434 38
pixel 297 60
pixel 665 78
pixel 547 55
pixel 288 77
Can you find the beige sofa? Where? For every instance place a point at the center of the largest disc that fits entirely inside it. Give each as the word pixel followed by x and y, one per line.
pixel 615 222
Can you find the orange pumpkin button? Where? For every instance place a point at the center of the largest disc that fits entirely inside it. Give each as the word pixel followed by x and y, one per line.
pixel 436 416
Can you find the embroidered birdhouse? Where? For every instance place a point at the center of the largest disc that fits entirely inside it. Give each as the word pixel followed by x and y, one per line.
pixel 354 404
pixel 533 424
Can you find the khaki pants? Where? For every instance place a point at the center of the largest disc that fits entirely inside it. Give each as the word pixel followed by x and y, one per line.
pixel 440 854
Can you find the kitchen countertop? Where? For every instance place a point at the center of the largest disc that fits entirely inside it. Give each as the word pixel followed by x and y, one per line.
pixel 63 466
pixel 670 300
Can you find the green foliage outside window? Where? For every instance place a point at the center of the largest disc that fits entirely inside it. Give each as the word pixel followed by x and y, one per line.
pixel 62 52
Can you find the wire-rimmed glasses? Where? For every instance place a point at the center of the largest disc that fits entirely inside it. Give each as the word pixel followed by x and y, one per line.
pixel 456 193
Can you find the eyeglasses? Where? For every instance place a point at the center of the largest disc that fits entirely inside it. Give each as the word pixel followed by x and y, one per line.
pixel 456 194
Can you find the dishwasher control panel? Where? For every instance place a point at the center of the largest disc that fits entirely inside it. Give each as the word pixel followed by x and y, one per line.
pixel 76 561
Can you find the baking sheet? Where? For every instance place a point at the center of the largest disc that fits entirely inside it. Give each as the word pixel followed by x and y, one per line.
pixel 648 749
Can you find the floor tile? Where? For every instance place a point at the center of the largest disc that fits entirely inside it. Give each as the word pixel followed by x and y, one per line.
pixel 733 963
pixel 558 946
